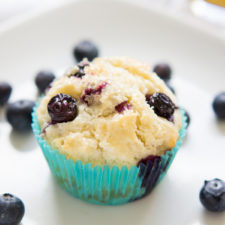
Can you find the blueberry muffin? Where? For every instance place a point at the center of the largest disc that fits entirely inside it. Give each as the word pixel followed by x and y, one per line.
pixel 113 114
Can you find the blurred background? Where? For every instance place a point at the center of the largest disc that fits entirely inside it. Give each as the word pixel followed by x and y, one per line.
pixel 211 13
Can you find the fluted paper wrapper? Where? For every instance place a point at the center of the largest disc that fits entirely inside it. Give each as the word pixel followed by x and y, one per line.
pixel 106 185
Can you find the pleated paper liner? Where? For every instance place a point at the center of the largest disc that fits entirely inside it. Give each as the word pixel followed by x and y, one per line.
pixel 105 185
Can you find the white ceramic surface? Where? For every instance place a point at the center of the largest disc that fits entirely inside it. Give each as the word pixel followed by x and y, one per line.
pixel 119 28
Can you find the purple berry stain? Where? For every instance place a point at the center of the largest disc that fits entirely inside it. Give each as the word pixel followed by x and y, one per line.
pixel 87 97
pixel 150 158
pixel 45 128
pixel 62 108
pixel 122 106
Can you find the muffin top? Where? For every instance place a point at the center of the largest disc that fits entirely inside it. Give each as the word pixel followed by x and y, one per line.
pixel 112 111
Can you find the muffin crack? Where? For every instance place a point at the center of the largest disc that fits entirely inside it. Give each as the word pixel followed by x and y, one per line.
pixel 105 118
pixel 137 132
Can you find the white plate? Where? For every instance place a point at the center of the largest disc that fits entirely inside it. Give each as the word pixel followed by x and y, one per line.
pixel 120 28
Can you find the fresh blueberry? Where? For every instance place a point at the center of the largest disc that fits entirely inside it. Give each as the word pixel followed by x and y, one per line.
pixel 219 105
pixel 212 195
pixel 170 87
pixel 43 80
pixel 163 70
pixel 161 104
pixel 62 108
pixel 19 114
pixel 11 209
pixel 5 92
pixel 187 116
pixel 85 49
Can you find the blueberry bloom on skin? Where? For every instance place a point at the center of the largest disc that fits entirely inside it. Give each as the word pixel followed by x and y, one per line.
pixel 85 49
pixel 11 209
pixel 18 114
pixel 212 195
pixel 163 70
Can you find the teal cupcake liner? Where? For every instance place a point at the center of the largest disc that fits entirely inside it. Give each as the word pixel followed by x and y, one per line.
pixel 105 185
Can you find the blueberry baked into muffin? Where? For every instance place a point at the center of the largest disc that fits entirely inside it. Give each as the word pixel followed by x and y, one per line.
pixel 109 129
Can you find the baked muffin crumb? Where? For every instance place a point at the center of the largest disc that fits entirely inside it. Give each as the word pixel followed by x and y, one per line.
pixel 115 125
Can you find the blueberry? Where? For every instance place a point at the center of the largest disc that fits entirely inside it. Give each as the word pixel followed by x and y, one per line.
pixel 171 88
pixel 163 70
pixel 5 92
pixel 161 104
pixel 85 49
pixel 43 80
pixel 11 209
pixel 80 73
pixel 62 108
pixel 19 114
pixel 219 105
pixel 212 195
pixel 186 113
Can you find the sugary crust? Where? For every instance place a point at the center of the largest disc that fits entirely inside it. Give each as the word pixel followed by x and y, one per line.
pixel 100 134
